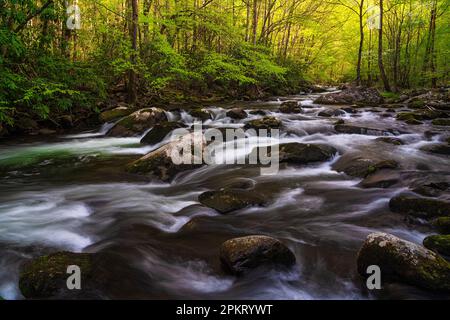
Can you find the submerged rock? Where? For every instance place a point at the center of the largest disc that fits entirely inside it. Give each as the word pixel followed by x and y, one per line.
pixel 419 207
pixel 352 95
pixel 442 224
pixel 390 140
pixel 290 107
pixel 241 255
pixel 438 148
pixel 160 131
pixel 116 113
pixel 351 129
pixel 264 123
pixel 45 277
pixel 160 163
pixel 228 200
pixel 237 114
pixel 381 179
pixel 441 122
pixel 360 165
pixel 138 122
pixel 439 244
pixel 300 153
pixel 400 260
pixel 331 113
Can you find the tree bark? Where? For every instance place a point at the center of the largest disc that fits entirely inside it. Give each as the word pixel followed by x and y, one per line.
pixel 387 87
pixel 361 42
pixel 132 77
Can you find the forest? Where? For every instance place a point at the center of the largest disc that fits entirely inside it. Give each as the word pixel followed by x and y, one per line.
pixel 174 51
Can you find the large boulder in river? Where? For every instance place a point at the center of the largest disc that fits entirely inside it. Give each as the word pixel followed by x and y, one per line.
pixel 300 153
pixel 439 244
pixel 401 260
pixel 264 123
pixel 290 107
pixel 166 162
pixel 160 131
pixel 237 114
pixel 138 122
pixel 419 207
pixel 46 277
pixel 352 95
pixel 241 255
pixel 361 165
pixel 228 200
pixel 352 129
pixel 116 113
pixel 331 113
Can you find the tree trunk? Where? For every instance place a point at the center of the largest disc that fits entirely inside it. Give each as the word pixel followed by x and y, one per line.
pixel 387 87
pixel 132 77
pixel 361 43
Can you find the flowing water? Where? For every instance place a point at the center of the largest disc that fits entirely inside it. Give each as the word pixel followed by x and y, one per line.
pixel 72 193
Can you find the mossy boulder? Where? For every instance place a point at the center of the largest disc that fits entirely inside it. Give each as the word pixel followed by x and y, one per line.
pixel 300 153
pixel 401 260
pixel 381 179
pixel 442 224
pixel 441 122
pixel 437 148
pixel 228 200
pixel 352 129
pixel 116 113
pixel 361 165
pixel 264 123
pixel 237 114
pixel 200 113
pixel 419 207
pixel 409 118
pixel 390 140
pixel 352 95
pixel 241 255
pixel 416 104
pixel 439 244
pixel 290 107
pixel 46 277
pixel 161 163
pixel 138 122
pixel 160 131
pixel 433 189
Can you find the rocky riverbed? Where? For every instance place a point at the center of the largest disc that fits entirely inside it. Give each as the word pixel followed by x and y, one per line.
pixel 363 180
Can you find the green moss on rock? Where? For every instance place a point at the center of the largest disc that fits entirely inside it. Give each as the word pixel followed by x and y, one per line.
pixel 439 244
pixel 228 200
pixel 419 207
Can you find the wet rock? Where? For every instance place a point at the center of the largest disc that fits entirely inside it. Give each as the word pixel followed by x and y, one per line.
pixel 439 244
pixel 381 179
pixel 160 131
pixel 441 122
pixel 237 114
pixel 432 189
pixel 331 113
pixel 349 110
pixel 404 261
pixel 442 149
pixel 200 113
pixel 46 132
pixel 390 140
pixel 116 113
pixel 300 153
pixel 45 277
pixel 416 104
pixel 409 118
pixel 66 121
pixel 340 121
pixel 359 165
pixel 353 95
pixel 419 207
pixel 228 200
pixel 264 123
pixel 258 112
pixel 351 129
pixel 138 122
pixel 290 107
pixel 26 125
pixel 160 163
pixel 241 255
pixel 442 224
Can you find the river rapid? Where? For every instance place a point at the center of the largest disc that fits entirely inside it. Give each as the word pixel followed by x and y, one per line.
pixel 72 193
